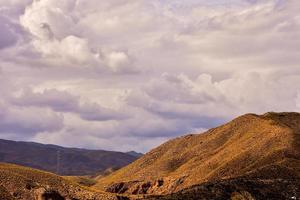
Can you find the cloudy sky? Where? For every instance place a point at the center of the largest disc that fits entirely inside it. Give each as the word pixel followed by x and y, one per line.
pixel 131 74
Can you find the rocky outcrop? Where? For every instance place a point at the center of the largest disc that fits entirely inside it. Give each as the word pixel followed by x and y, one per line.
pixel 241 188
pixel 160 186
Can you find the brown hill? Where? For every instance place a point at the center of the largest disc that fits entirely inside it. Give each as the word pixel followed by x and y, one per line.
pixel 24 183
pixel 61 160
pixel 262 147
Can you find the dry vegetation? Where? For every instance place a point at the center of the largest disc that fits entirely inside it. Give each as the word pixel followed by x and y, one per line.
pixel 82 180
pixel 25 183
pixel 250 144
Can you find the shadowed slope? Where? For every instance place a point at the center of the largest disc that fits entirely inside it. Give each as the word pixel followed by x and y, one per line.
pixel 248 144
pixel 241 188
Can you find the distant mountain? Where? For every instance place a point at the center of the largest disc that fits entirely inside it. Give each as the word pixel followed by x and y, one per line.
pixel 253 156
pixel 135 154
pixel 63 161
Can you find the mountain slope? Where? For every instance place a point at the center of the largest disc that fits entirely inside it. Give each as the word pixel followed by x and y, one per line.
pixel 64 161
pixel 251 144
pixel 241 188
pixel 24 183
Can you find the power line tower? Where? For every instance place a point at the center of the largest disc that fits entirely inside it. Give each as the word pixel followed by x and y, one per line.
pixel 57 161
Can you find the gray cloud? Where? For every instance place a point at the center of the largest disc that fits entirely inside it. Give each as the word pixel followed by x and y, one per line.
pixel 8 33
pixel 57 100
pixel 28 121
pixel 110 74
pixel 62 101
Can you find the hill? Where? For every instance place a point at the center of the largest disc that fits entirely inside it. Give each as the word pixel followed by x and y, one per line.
pixel 24 183
pixel 60 160
pixel 252 147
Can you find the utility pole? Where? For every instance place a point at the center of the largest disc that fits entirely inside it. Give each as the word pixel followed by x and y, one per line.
pixel 57 161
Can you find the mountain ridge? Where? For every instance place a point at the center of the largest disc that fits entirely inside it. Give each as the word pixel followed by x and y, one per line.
pixel 72 161
pixel 234 149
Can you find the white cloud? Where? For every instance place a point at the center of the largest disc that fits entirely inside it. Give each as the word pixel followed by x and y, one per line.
pixel 49 18
pixel 117 61
pixel 54 26
pixel 137 70
pixel 183 97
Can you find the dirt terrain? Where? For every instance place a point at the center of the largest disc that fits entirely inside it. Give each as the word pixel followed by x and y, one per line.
pixel 25 183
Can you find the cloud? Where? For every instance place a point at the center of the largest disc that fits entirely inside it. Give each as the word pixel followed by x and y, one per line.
pixel 28 122
pixel 183 90
pixel 47 22
pixel 110 74
pixel 298 100
pixel 182 97
pixel 48 18
pixel 117 61
pixel 8 31
pixel 62 101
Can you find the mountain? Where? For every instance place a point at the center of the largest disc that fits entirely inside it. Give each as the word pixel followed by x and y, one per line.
pixel 261 152
pixel 135 154
pixel 24 183
pixel 252 157
pixel 60 160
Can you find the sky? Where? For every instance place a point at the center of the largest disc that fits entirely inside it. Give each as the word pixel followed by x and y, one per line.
pixel 131 74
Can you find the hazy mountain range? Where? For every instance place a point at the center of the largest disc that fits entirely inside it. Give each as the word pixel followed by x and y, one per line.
pixel 61 160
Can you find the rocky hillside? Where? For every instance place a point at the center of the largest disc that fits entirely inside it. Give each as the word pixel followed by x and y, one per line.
pixel 241 188
pixel 63 161
pixel 267 147
pixel 24 183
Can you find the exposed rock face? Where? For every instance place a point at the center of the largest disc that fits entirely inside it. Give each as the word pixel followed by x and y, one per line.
pixel 143 187
pixel 265 146
pixel 130 187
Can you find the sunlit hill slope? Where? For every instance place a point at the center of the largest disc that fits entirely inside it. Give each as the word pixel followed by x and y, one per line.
pixel 261 146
